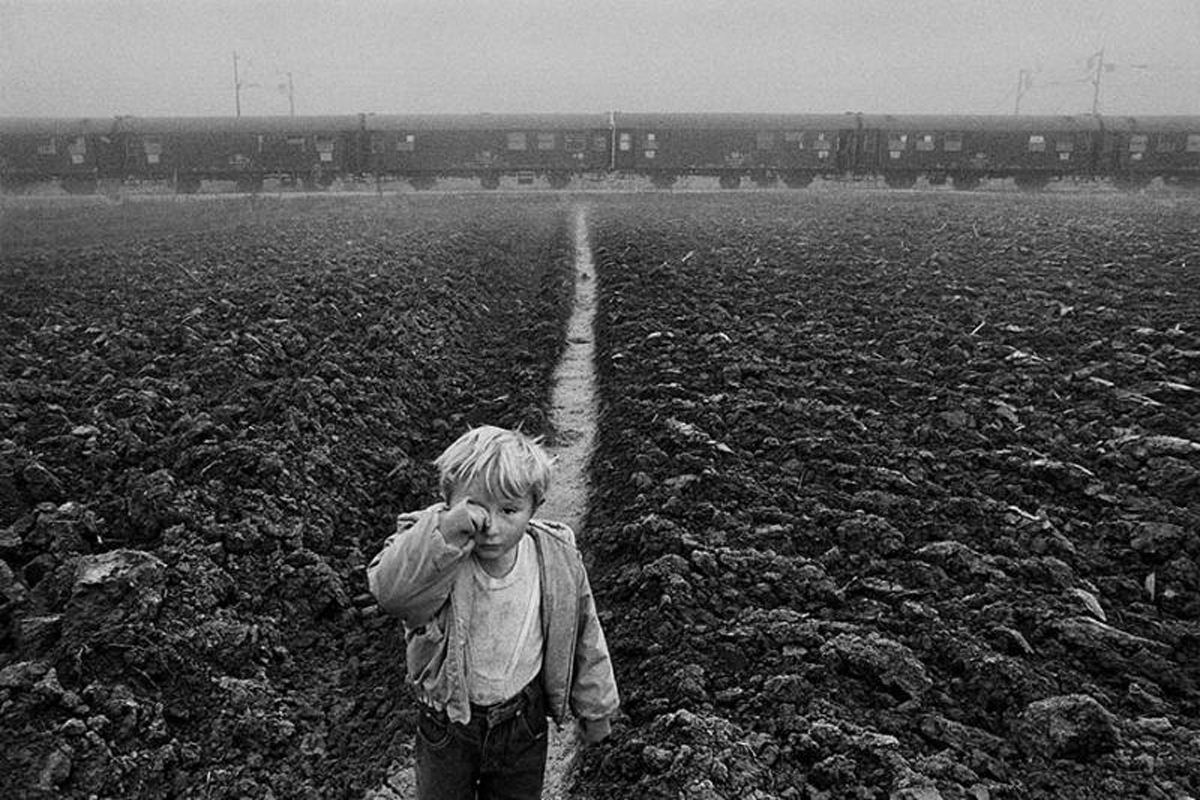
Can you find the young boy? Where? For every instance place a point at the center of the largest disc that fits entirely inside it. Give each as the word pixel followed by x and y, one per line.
pixel 499 622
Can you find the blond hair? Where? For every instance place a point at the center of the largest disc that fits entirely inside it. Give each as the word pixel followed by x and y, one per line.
pixel 509 463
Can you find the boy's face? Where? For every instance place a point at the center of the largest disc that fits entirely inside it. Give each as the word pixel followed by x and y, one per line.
pixel 507 519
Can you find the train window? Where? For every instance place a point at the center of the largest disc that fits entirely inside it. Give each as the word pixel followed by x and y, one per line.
pixel 626 142
pixel 152 147
pixel 516 141
pixel 600 143
pixel 47 146
pixel 925 141
pixel 1193 143
pixel 765 140
pixel 377 144
pixel 796 138
pixel 1037 143
pixel 1166 143
pixel 897 141
pixel 952 142
pixel 1138 142
pixel 545 141
pixel 407 143
pixel 296 141
pixel 575 142
pixel 1064 145
pixel 824 142
pixel 77 148
pixel 651 141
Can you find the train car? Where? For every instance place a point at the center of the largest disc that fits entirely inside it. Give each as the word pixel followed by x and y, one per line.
pixel 794 148
pixel 1031 150
pixel 186 150
pixel 73 152
pixel 1140 149
pixel 423 148
pixel 764 147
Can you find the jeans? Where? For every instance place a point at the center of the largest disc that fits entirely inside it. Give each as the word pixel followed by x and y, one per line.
pixel 500 754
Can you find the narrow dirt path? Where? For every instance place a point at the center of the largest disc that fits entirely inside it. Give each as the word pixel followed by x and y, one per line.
pixel 574 407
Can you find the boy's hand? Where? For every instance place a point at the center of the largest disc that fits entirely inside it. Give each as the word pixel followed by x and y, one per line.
pixel 460 523
pixel 590 732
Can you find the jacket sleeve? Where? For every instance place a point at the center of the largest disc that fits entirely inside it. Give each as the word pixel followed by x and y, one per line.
pixel 594 697
pixel 413 574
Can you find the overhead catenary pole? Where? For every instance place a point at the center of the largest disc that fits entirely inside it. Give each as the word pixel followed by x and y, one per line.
pixel 237 86
pixel 291 97
pixel 1096 81
pixel 1024 81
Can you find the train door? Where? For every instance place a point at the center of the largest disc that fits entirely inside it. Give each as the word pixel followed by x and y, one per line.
pixel 1106 150
pixel 1133 153
pixel 152 154
pixel 1187 166
pixel 110 155
pixel 624 157
pixel 860 151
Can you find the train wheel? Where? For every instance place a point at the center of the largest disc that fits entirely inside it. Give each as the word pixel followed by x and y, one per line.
pixel 79 185
pixel 187 185
pixel 797 180
pixel 730 181
pixel 250 184
pixel 490 180
pixel 1031 181
pixel 900 180
pixel 964 182
pixel 14 185
pixel 1132 183
pixel 422 182
pixel 559 180
pixel 764 179
pixel 662 180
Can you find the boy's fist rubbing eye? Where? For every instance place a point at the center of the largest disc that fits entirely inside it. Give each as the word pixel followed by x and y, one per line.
pixel 462 522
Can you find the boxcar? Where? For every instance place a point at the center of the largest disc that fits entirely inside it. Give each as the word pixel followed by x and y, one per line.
pixel 1032 150
pixel 1140 149
pixel 75 152
pixel 422 148
pixel 764 147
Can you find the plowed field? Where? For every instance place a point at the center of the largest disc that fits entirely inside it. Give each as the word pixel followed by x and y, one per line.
pixel 899 496
pixel 895 495
pixel 209 416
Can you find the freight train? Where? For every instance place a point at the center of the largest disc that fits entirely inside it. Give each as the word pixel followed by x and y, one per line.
pixel 765 149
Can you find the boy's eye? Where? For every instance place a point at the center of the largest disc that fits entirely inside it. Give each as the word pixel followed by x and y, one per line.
pixel 512 510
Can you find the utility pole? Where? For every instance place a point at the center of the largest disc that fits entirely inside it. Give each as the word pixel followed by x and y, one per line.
pixel 1024 82
pixel 237 86
pixel 291 96
pixel 1096 81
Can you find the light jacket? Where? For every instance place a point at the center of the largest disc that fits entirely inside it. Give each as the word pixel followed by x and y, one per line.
pixel 425 581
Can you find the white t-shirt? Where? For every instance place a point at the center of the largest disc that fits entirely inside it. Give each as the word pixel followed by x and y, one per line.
pixel 504 635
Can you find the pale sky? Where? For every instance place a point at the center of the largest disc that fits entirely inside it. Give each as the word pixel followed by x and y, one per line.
pixel 102 58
